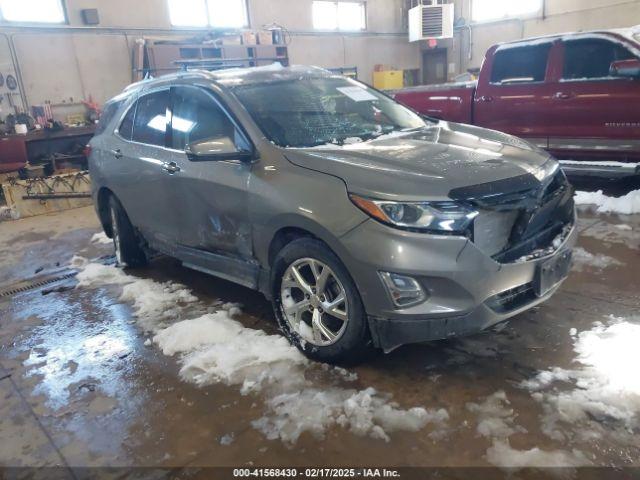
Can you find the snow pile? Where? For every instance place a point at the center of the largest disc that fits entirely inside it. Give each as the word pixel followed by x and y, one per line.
pixel 582 258
pixel 154 303
pixel 7 213
pixel 97 274
pixel 214 348
pixel 624 227
pixel 495 416
pixel 628 204
pixel 364 413
pixel 603 390
pixel 496 421
pixel 502 454
pixel 217 348
pixel 101 238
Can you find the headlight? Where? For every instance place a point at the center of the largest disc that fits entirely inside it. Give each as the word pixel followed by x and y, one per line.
pixel 546 170
pixel 436 217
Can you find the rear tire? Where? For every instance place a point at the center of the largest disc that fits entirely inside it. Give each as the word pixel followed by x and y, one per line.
pixel 129 252
pixel 303 308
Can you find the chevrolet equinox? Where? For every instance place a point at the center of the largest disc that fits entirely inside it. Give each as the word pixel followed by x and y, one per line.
pixel 364 223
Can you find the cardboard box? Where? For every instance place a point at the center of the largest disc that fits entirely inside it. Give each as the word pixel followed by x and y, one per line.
pixel 249 38
pixel 265 37
pixel 232 40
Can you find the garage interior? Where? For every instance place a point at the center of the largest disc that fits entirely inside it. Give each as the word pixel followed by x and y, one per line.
pixel 101 376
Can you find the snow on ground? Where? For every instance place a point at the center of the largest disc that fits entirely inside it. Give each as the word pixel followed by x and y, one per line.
pixel 502 454
pixel 607 232
pixel 212 347
pixel 497 422
pixel 583 259
pixel 101 238
pixel 627 204
pixel 365 413
pixel 603 390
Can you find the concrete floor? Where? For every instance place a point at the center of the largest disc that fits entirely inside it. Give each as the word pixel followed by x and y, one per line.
pixel 79 386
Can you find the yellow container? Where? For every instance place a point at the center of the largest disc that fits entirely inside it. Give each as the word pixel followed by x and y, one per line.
pixel 388 79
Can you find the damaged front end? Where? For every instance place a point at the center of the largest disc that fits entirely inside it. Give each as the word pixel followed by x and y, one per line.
pixel 520 218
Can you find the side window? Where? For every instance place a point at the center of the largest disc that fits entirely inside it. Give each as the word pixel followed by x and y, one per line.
pixel 591 58
pixel 524 64
pixel 125 130
pixel 150 124
pixel 109 111
pixel 197 118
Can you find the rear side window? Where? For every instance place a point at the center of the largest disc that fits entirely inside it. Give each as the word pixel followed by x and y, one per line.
pixel 110 109
pixel 591 58
pixel 198 118
pixel 520 64
pixel 150 123
pixel 125 130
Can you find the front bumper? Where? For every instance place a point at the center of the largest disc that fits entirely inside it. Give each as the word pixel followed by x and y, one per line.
pixel 468 290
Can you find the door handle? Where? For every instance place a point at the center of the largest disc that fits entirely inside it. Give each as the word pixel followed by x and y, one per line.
pixel 170 167
pixel 486 98
pixel 562 96
pixel 117 153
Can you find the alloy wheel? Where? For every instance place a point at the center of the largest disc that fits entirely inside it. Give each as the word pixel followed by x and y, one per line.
pixel 314 302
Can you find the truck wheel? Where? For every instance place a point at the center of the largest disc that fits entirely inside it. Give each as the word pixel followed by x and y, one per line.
pixel 129 253
pixel 317 304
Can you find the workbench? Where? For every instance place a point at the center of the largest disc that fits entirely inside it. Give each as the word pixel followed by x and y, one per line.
pixel 38 146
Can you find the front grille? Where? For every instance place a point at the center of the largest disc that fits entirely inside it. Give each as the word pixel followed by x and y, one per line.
pixel 512 299
pixel 514 222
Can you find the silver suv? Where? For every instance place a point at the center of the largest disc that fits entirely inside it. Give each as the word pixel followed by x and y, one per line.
pixel 364 223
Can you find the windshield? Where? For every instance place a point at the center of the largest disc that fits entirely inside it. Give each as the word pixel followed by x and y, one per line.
pixel 308 112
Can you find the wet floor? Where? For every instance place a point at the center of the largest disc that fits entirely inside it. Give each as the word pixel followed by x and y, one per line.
pixel 83 384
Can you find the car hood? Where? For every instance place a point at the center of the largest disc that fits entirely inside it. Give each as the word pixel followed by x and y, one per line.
pixel 427 163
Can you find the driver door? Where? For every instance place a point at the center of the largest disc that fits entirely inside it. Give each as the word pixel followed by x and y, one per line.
pixel 211 182
pixel 599 111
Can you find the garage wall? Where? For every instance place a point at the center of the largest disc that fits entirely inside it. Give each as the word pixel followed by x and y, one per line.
pixel 69 63
pixel 560 16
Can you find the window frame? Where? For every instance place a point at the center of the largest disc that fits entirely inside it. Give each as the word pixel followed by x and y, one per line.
pixel 134 104
pixel 362 3
pixel 209 25
pixel 225 110
pixel 550 44
pixel 605 38
pixel 65 21
pixel 507 16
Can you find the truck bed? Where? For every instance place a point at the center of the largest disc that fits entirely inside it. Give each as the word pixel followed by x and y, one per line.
pixel 447 101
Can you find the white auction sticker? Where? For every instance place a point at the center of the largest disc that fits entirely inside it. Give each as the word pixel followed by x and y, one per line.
pixel 357 94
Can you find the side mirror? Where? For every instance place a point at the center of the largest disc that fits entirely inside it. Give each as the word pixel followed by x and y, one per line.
pixel 216 149
pixel 625 68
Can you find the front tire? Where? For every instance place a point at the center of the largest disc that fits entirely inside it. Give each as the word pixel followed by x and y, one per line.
pixel 129 252
pixel 317 304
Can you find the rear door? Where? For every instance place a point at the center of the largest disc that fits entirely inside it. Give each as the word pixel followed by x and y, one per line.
pixel 512 94
pixel 140 178
pixel 212 194
pixel 600 113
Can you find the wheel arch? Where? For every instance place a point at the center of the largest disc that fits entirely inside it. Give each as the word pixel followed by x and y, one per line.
pixel 291 227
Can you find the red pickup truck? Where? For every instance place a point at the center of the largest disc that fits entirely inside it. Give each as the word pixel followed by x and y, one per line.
pixel 576 95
